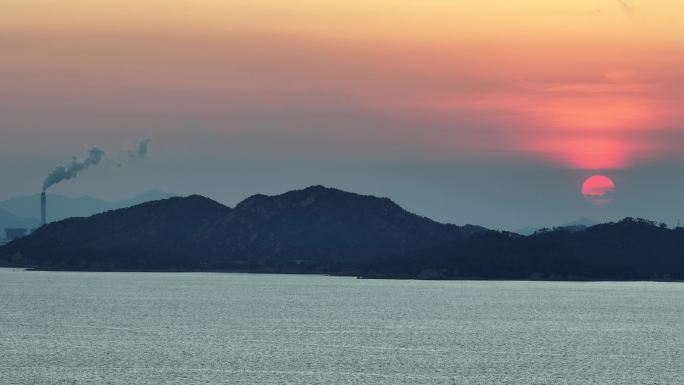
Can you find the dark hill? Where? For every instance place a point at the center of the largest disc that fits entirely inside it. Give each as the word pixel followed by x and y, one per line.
pixel 632 249
pixel 326 230
pixel 154 235
pixel 315 229
pixel 321 227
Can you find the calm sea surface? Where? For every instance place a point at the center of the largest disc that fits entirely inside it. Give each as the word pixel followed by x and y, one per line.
pixel 149 328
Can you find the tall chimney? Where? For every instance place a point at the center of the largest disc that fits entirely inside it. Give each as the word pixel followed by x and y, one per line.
pixel 43 203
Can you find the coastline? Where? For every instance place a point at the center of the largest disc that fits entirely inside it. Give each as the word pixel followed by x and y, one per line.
pixel 378 277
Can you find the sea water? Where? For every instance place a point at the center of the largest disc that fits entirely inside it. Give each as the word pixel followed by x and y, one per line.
pixel 197 328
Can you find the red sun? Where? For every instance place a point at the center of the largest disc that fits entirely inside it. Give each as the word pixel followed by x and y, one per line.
pixel 598 189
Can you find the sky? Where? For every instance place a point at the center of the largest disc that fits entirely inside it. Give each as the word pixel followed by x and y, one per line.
pixel 490 112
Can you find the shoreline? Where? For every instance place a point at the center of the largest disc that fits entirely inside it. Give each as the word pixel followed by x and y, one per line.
pixel 373 277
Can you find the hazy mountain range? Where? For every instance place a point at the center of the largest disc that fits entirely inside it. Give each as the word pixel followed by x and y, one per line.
pixel 576 224
pixel 9 220
pixel 324 230
pixel 24 211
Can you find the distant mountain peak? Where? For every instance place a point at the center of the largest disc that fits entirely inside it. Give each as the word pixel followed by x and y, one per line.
pixel 576 225
pixel 194 200
pixel 319 187
pixel 317 196
pixel 584 221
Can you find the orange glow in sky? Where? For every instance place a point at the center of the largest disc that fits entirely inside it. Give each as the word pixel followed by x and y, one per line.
pixel 589 84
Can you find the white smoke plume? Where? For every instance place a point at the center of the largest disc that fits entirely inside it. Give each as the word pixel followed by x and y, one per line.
pixel 140 152
pixel 70 171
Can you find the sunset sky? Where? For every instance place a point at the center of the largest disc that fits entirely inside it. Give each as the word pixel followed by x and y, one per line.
pixel 488 112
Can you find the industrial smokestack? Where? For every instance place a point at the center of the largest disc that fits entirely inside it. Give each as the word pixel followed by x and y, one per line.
pixel 70 171
pixel 43 209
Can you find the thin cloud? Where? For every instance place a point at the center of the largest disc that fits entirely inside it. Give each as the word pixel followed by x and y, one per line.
pixel 627 7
